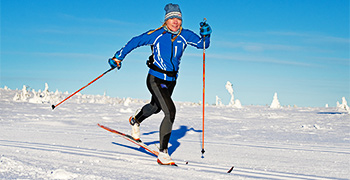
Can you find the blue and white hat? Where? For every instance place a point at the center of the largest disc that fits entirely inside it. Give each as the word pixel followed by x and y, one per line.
pixel 172 11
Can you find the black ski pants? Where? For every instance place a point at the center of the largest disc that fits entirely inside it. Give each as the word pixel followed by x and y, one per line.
pixel 161 91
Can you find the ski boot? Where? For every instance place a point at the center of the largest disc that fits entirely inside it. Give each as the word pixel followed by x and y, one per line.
pixel 164 158
pixel 135 128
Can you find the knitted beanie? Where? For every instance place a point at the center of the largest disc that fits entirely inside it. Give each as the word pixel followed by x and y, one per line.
pixel 172 11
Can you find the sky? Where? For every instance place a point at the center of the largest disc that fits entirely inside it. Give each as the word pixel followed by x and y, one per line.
pixel 299 49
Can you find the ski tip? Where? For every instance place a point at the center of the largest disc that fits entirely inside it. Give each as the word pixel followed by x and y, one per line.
pixel 229 171
pixel 98 124
pixel 172 164
pixel 53 107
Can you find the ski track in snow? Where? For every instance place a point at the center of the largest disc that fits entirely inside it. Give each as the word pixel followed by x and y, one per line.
pixel 261 143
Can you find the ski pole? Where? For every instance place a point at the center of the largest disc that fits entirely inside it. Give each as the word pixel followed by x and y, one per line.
pixel 54 106
pixel 203 98
pixel 203 113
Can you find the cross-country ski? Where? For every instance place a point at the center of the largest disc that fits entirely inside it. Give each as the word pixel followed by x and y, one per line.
pixel 129 138
pixel 137 142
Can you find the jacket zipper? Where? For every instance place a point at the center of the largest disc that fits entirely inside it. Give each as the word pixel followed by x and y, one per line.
pixel 172 52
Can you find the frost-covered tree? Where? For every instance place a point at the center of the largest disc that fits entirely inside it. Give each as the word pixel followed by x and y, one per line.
pixel 343 105
pixel 218 101
pixel 230 90
pixel 275 103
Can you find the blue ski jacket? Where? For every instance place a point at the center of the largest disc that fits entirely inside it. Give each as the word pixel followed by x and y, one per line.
pixel 166 53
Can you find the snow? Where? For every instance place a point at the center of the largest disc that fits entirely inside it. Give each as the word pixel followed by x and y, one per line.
pixel 37 142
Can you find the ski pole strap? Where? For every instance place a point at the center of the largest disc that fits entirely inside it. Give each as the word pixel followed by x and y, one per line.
pixel 156 68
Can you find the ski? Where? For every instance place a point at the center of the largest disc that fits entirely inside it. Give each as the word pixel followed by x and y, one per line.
pixel 131 139
pixel 143 145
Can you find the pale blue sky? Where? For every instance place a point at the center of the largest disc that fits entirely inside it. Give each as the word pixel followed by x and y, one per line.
pixel 299 49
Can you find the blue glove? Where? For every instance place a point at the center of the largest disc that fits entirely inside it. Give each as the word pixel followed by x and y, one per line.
pixel 115 63
pixel 205 29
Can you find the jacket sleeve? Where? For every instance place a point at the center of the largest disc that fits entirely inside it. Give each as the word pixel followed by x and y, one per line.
pixel 135 42
pixel 194 40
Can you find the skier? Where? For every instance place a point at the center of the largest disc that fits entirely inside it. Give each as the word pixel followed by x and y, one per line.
pixel 168 43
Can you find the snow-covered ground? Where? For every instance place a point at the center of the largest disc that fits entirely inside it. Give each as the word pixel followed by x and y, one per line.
pixel 37 142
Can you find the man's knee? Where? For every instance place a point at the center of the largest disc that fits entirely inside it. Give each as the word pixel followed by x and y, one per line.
pixel 170 115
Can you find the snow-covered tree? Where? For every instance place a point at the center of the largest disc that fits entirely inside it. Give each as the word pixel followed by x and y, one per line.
pixel 230 90
pixel 218 101
pixel 23 96
pixel 275 103
pixel 343 105
pixel 233 103
pixel 238 104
